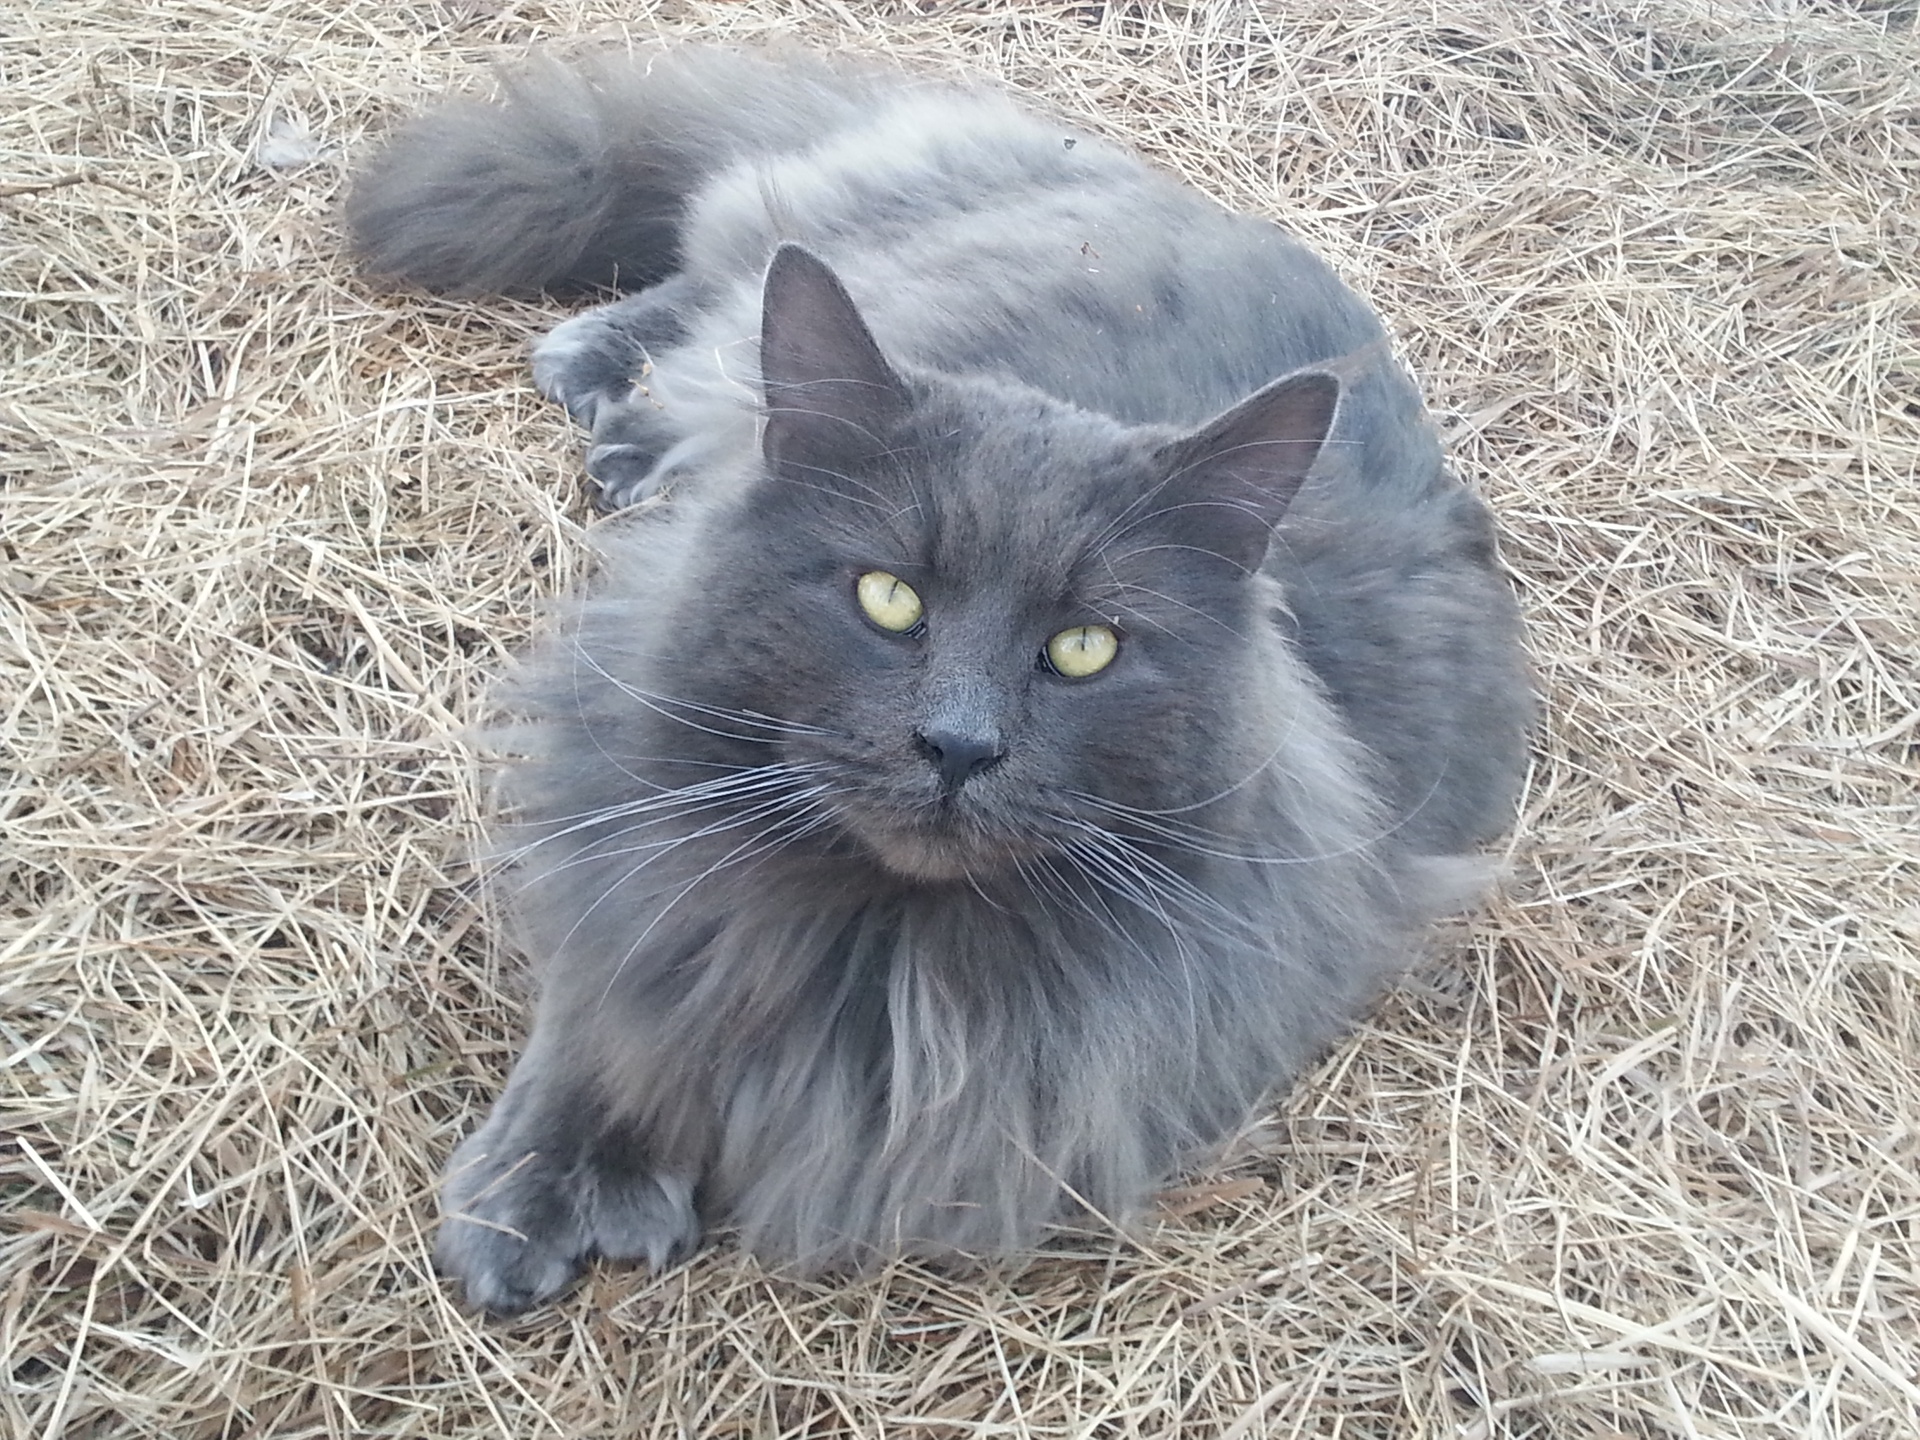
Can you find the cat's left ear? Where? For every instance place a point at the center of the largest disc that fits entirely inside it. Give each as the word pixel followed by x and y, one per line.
pixel 831 396
pixel 1232 480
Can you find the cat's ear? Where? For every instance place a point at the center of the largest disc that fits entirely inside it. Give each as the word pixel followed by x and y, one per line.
pixel 830 394
pixel 1233 479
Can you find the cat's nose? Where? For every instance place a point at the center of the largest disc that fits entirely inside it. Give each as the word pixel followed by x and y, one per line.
pixel 960 755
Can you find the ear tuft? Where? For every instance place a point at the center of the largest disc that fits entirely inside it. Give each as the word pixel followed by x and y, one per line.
pixel 830 394
pixel 1233 479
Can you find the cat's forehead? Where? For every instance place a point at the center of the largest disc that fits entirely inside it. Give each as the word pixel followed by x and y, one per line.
pixel 1026 506
pixel 1032 549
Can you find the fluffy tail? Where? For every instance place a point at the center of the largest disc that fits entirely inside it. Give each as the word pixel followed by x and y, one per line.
pixel 581 175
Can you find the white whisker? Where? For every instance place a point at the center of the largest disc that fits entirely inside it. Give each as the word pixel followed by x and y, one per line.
pixel 670 804
pixel 756 847
pixel 660 705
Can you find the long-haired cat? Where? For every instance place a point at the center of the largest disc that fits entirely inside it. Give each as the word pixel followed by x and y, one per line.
pixel 1057 680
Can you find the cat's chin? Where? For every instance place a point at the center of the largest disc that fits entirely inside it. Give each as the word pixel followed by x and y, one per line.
pixel 937 859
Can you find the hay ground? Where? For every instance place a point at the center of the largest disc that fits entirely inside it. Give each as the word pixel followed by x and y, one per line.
pixel 1638 1156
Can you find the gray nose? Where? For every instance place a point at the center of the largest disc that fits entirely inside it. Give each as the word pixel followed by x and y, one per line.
pixel 960 756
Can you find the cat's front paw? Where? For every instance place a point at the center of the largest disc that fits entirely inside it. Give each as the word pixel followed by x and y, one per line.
pixel 517 1227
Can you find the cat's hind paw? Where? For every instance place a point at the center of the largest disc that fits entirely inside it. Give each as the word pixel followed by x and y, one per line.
pixel 517 1229
pixel 595 357
pixel 581 365
pixel 622 475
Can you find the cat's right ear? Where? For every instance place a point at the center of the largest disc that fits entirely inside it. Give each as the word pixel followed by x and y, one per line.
pixel 831 397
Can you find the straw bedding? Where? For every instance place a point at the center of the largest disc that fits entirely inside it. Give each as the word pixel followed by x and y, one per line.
pixel 1636 1154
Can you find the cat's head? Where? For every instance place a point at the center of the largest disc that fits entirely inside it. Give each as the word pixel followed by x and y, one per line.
pixel 977 614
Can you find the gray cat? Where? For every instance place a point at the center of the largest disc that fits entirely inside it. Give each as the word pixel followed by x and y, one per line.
pixel 1057 686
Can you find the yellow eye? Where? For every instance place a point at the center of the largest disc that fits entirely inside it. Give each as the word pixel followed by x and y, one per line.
pixel 889 601
pixel 1082 651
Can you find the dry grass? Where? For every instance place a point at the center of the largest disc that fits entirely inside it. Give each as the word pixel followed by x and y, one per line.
pixel 1642 1157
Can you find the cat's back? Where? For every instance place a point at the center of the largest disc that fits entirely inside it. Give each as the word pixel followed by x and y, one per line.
pixel 980 236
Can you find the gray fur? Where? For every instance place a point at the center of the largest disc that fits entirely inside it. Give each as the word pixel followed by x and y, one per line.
pixel 794 977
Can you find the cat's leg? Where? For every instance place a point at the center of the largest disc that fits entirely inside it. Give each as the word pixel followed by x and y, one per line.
pixel 599 365
pixel 551 1180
